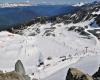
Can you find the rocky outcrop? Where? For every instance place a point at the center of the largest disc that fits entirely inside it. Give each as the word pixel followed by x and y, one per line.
pixel 96 75
pixel 17 74
pixel 19 67
pixel 11 76
pixel 75 74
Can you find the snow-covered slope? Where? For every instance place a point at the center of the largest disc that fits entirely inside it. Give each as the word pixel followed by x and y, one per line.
pixel 50 41
pixel 65 42
pixel 14 47
pixel 98 13
pixel 88 65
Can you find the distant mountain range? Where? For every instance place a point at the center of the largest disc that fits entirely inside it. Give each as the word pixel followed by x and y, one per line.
pixel 12 16
pixel 3 5
pixel 23 15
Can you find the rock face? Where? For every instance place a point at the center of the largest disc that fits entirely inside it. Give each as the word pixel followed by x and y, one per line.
pixel 96 75
pixel 18 74
pixel 19 67
pixel 11 76
pixel 75 74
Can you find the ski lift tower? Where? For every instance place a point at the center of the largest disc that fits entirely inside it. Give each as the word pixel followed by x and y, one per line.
pixel 86 49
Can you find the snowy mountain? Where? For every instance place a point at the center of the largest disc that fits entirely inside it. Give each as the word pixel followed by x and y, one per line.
pixel 4 5
pixel 15 16
pixel 49 46
pixel 79 4
pixel 84 13
pixel 87 17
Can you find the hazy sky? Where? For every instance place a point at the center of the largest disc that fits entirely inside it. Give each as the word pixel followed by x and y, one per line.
pixel 50 1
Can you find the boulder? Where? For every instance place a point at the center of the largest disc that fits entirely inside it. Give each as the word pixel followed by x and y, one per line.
pixel 11 76
pixel 75 74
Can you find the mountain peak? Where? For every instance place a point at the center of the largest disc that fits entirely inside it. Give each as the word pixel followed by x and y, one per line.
pixel 79 4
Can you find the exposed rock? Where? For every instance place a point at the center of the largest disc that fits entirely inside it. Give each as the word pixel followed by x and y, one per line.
pixel 84 33
pixel 18 74
pixel 19 67
pixel 11 76
pixel 86 77
pixel 1 71
pixel 79 29
pixel 95 32
pixel 98 20
pixel 26 77
pixel 96 75
pixel 71 28
pixel 75 74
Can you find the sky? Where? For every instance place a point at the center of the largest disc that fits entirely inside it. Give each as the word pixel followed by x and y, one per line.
pixel 49 1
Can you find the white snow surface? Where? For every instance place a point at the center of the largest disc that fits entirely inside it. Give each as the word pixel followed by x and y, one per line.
pixel 31 49
pixel 79 4
pixel 14 47
pixel 88 65
pixel 97 12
